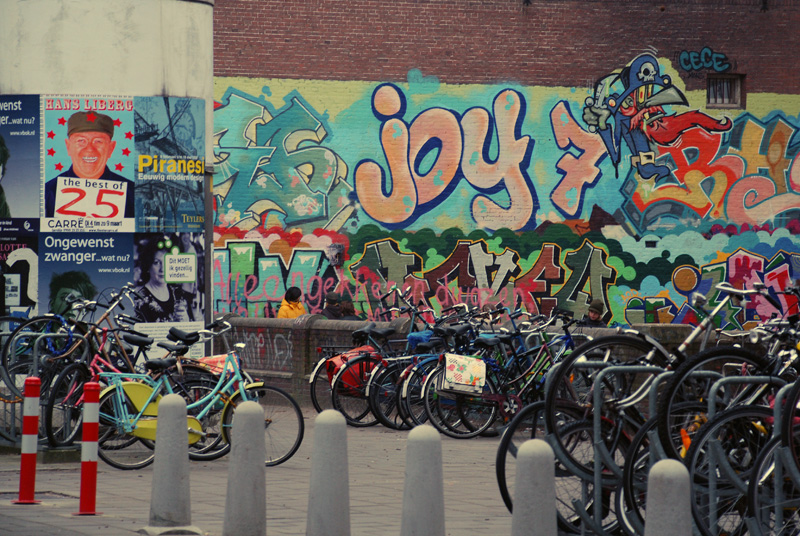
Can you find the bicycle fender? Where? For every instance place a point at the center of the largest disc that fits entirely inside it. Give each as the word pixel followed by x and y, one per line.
pixel 146 429
pixel 647 338
pixel 139 393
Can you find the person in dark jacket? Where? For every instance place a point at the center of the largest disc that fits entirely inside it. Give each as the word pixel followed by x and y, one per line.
pixel 332 309
pixel 349 310
pixel 594 318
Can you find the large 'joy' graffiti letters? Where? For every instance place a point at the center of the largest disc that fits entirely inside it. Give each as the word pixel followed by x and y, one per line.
pixel 268 164
pixel 427 157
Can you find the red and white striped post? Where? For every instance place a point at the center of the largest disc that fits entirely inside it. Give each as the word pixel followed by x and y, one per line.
pixel 91 419
pixel 30 440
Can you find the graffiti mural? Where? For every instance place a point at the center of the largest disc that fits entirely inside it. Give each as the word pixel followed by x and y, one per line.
pixel 273 167
pixel 630 191
pixel 428 156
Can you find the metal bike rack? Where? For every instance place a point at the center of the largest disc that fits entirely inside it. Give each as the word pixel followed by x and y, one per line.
pixel 780 464
pixel 717 466
pixel 44 336
pixel 602 457
pixel 12 413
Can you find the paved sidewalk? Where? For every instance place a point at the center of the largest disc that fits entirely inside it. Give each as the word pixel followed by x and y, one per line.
pixel 377 459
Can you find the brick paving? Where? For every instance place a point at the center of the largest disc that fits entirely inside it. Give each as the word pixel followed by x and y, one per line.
pixel 376 464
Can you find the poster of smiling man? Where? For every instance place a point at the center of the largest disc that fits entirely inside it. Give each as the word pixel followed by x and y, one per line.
pixel 88 164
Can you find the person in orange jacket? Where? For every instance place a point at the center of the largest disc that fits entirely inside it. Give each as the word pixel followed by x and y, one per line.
pixel 291 306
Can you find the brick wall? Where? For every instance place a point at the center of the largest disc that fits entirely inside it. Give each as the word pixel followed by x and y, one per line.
pixel 551 43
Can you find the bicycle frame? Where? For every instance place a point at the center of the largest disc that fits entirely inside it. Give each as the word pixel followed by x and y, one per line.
pixel 145 394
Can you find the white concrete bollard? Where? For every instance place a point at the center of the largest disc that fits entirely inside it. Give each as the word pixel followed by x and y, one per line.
pixel 534 491
pixel 246 500
pixel 668 500
pixel 170 501
pixel 423 492
pixel 329 489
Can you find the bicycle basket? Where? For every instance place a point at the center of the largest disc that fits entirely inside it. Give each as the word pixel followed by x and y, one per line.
pixel 463 374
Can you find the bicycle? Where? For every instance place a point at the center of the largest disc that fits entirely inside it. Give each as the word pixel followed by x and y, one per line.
pixel 45 345
pixel 366 340
pixel 63 411
pixel 129 410
pixel 692 378
pixel 517 379
pixel 349 382
pixel 624 393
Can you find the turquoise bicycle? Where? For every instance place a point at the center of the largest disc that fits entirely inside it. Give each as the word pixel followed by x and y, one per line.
pixel 129 413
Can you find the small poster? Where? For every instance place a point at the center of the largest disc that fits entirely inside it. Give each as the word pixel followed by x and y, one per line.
pixel 19 266
pixel 20 158
pixel 168 270
pixel 170 165
pixel 82 266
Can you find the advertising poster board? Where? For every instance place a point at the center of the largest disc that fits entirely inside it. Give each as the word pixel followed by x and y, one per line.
pixel 88 164
pixel 170 165
pixel 86 265
pixel 88 185
pixel 20 158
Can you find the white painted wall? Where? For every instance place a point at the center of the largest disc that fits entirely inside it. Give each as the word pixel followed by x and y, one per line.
pixel 109 47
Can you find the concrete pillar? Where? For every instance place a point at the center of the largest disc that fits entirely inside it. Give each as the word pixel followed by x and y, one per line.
pixel 170 498
pixel 423 492
pixel 669 509
pixel 329 487
pixel 534 491
pixel 246 500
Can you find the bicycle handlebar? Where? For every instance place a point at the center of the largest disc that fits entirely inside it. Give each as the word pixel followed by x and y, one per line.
pixel 208 333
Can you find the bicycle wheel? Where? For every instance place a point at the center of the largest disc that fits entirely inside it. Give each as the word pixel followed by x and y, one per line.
pixel 212 445
pixel 773 495
pixel 721 463
pixel 692 381
pixel 790 422
pixel 17 359
pixel 320 386
pixel 572 488
pixel 63 413
pixel 641 456
pixel 115 446
pixel 412 402
pixel 348 391
pixel 383 387
pixel 573 382
pixel 460 416
pixel 527 424
pixel 283 421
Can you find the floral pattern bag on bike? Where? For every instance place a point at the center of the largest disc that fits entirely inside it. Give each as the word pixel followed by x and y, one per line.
pixel 462 374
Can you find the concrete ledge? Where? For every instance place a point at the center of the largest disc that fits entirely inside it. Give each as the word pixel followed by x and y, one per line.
pixel 289 363
pixel 45 456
